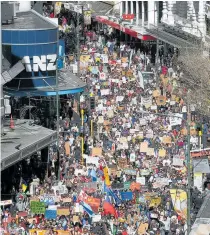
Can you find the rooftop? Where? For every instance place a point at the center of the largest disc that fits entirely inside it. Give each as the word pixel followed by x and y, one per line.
pixel 26 139
pixel 29 20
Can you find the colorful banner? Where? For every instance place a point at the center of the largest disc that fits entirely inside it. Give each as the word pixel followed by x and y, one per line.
pixel 63 211
pixel 179 199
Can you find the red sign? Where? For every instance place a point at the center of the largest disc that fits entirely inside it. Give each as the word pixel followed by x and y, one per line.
pixel 128 16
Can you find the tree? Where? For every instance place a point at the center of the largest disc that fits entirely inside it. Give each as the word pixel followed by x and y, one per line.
pixel 194 74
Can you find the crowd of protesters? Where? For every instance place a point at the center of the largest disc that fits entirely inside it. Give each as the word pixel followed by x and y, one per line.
pixel 130 175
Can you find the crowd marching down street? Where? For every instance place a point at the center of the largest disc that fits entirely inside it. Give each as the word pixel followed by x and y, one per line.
pixel 130 177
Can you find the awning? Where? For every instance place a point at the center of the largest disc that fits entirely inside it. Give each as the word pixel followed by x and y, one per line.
pixel 68 83
pixel 23 141
pixel 169 38
pixel 124 29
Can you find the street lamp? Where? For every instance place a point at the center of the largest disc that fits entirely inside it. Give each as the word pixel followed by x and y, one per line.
pixel 187 122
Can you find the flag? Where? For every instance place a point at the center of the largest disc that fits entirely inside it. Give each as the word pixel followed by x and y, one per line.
pixel 87 208
pixel 109 209
pixel 106 176
pixel 24 185
pixel 116 198
pixel 93 175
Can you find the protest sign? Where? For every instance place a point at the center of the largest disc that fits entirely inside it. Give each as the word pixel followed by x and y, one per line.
pixel 126 185
pixel 37 207
pixel 155 202
pixel 66 199
pixel 132 157
pixel 149 134
pixel 156 93
pixel 166 139
pixel 144 171
pixel 177 161
pixel 37 232
pixel 147 102
pixel 22 214
pixel 130 172
pixel 118 186
pixel 106 176
pixel 143 147
pixel 126 196
pixel 124 59
pixel 142 229
pixel 60 188
pixel 63 211
pixel 75 219
pixel 96 218
pixel 160 182
pixel 105 92
pixel 67 148
pixel 92 160
pixel 176 119
pixel 150 151
pixel 142 122
pixel 122 163
pixel 162 153
pixel 135 186
pixel 100 119
pixel 96 152
pixel 102 76
pixel 141 180
pixel 50 214
pixel 161 100
pixel 5 203
pixel 105 58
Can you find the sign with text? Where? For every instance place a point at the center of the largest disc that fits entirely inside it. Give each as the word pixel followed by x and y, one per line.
pixel 37 207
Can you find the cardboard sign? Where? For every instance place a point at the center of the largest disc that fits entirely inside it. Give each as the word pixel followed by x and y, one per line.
pixel 50 214
pixel 162 153
pixel 75 218
pixel 122 163
pixel 100 119
pixel 97 152
pixel 37 207
pixel 67 199
pixel 143 147
pixel 63 211
pixel 156 93
pixel 143 229
pixel 166 139
pixel 150 151
pixel 161 100
pixel 67 148
pixel 22 214
pixel 124 59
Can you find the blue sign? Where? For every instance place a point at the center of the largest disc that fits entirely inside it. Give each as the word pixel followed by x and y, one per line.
pixel 50 214
pixel 126 196
pixel 47 199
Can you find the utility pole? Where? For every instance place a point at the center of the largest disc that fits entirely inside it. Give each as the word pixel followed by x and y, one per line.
pixel 189 183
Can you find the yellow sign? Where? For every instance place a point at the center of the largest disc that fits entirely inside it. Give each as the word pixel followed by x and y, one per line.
pixel 155 202
pixel 106 176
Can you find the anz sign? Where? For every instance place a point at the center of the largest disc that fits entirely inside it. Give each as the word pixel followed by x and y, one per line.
pixel 40 63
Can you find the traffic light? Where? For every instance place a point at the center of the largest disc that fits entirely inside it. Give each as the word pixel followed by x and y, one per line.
pixel 92 103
